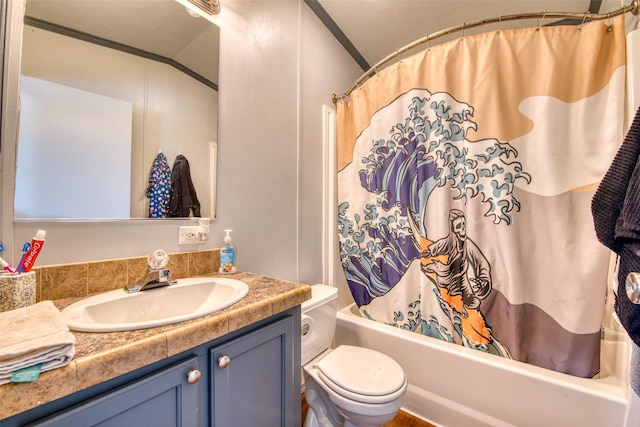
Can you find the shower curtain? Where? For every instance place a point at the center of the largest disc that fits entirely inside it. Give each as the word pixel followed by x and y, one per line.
pixel 466 173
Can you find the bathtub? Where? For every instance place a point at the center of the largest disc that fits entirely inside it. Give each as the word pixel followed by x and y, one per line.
pixel 452 386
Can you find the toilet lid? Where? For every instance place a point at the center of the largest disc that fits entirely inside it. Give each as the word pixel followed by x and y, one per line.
pixel 362 371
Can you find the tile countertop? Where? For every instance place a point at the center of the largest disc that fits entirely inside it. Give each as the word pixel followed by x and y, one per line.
pixel 102 356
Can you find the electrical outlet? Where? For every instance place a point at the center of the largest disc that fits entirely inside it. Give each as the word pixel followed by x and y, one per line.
pixel 188 235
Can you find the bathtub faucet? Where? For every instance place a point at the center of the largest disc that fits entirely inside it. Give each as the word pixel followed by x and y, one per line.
pixel 151 280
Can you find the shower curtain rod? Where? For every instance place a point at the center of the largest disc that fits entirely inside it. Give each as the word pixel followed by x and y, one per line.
pixel 633 7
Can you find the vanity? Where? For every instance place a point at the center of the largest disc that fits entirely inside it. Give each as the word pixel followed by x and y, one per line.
pixel 236 367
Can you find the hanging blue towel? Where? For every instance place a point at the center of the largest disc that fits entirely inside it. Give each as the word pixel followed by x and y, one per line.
pixel 159 189
pixel 616 213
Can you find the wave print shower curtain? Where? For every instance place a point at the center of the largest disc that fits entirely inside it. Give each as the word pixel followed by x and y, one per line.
pixel 466 173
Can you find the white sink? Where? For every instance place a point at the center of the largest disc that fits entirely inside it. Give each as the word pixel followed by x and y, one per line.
pixel 121 311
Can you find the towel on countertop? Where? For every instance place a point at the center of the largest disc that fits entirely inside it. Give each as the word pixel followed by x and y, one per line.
pixel 32 335
pixel 616 214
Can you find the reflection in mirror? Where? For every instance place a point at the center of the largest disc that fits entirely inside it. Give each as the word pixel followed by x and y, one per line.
pixel 107 88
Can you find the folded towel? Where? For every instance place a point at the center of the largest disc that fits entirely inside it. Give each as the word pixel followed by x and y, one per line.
pixel 32 335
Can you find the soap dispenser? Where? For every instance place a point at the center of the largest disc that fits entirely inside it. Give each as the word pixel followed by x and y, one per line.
pixel 227 255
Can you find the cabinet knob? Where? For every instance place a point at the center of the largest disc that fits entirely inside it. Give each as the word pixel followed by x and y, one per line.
pixel 223 361
pixel 193 376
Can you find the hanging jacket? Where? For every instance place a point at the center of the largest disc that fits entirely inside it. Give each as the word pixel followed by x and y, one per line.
pixel 183 193
pixel 159 189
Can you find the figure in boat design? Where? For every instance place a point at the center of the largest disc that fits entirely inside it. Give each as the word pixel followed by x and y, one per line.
pixel 462 275
pixel 467 271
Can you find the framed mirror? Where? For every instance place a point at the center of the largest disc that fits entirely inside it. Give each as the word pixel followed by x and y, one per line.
pixel 108 88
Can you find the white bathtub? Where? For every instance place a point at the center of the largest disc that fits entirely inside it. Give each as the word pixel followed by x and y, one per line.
pixel 453 386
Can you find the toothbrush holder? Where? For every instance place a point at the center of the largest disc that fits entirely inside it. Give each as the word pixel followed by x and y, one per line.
pixel 17 290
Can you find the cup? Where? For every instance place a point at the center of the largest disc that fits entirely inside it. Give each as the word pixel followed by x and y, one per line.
pixel 17 290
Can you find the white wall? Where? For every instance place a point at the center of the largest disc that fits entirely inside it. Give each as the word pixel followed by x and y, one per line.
pixel 269 136
pixel 325 68
pixel 257 149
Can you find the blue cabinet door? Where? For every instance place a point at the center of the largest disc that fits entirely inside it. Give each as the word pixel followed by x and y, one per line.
pixel 163 399
pixel 253 379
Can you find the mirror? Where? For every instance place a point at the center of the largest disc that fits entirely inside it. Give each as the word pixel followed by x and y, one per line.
pixel 106 87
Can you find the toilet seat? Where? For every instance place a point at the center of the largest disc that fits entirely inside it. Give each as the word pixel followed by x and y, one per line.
pixel 362 375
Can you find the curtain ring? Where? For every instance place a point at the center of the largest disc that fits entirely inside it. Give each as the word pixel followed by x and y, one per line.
pixel 609 26
pixel 398 53
pixel 499 24
pixel 584 19
pixel 544 15
pixel 463 24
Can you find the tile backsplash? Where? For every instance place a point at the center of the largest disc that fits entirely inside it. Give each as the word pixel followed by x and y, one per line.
pixel 83 279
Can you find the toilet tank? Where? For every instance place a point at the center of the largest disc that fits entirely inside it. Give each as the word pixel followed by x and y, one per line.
pixel 318 321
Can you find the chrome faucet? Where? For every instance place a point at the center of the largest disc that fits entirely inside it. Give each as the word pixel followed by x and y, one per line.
pixel 152 279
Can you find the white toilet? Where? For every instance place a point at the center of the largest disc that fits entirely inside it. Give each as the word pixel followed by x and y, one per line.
pixel 346 386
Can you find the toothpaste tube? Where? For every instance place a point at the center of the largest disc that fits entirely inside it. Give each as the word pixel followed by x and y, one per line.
pixel 29 259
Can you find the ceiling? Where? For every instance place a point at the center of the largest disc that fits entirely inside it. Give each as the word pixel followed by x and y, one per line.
pixel 369 29
pixel 160 27
pixel 377 28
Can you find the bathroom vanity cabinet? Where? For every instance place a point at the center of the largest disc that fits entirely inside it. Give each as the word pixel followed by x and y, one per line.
pixel 249 377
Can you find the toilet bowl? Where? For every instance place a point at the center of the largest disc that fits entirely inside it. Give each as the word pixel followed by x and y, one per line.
pixel 346 386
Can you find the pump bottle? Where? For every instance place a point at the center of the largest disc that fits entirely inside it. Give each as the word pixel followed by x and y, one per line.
pixel 227 255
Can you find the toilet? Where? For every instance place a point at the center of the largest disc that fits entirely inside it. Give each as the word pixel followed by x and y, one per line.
pixel 347 385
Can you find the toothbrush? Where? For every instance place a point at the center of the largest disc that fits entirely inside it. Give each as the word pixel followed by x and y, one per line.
pixel 25 251
pixel 5 265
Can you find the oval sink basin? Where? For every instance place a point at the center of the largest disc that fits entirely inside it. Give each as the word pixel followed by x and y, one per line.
pixel 121 311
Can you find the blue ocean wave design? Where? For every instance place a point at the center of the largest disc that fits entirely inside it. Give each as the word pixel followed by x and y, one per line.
pixel 427 149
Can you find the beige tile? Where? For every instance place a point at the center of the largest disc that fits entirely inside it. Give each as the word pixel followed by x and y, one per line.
pixel 179 265
pixel 100 367
pixel 64 281
pixel 136 268
pixel 106 275
pixel 196 332
pixel 51 385
pixel 216 260
pixel 200 263
pixel 38 272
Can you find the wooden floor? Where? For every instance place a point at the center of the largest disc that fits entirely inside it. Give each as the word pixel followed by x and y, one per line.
pixel 405 420
pixel 401 420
